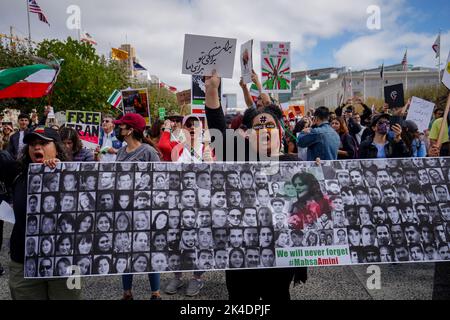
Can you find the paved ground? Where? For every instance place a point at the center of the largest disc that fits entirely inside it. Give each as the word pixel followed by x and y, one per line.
pixel 409 282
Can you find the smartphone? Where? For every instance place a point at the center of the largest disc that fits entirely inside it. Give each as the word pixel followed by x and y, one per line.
pixel 396 120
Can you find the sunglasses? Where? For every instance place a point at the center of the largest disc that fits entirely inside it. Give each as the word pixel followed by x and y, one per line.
pixel 106 121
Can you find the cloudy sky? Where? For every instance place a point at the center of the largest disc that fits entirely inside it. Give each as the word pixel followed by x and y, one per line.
pixel 322 33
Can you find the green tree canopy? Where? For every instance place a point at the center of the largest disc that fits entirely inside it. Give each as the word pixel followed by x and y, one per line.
pixel 85 82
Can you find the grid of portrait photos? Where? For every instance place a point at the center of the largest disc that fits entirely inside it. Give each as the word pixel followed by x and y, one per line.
pixel 119 218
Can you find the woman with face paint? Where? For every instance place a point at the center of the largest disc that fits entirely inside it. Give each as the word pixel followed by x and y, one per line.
pixel 264 140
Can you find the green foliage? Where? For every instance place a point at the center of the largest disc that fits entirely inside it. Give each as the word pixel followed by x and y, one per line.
pixel 85 82
pixel 430 93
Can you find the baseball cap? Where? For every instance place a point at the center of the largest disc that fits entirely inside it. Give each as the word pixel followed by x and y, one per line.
pixel 134 120
pixel 411 126
pixel 43 133
pixel 378 117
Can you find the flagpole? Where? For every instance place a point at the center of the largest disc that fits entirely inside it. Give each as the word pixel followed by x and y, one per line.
pixel 364 88
pixel 406 67
pixel 29 24
pixel 439 63
pixel 382 81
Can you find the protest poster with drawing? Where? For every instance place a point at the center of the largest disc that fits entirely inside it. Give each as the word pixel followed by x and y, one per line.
pixel 276 67
pixel 247 61
pixel 204 54
pixel 121 218
pixel 136 101
pixel 420 111
pixel 87 124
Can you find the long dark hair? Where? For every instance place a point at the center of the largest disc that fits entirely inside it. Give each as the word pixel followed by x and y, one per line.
pixel 71 134
pixel 314 193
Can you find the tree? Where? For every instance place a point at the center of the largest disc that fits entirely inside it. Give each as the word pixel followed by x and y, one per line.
pixel 85 82
pixel 86 79
pixel 430 93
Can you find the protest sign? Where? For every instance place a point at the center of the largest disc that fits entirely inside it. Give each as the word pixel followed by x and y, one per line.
pixel 87 124
pixel 199 94
pixel 136 101
pixel 247 61
pixel 204 54
pixel 7 213
pixel 394 96
pixel 162 113
pixel 276 67
pixel 420 111
pixel 120 218
pixel 184 97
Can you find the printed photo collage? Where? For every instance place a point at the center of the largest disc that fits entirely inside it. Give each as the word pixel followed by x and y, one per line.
pixel 119 218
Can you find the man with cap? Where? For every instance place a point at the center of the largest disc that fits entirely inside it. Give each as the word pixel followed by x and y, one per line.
pixel 131 130
pixel 380 145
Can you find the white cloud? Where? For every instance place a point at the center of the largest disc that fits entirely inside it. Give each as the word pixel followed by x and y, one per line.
pixel 370 51
pixel 156 28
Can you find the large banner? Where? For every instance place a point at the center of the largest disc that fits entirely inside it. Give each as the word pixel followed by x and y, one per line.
pixel 136 101
pixel 87 124
pixel 120 218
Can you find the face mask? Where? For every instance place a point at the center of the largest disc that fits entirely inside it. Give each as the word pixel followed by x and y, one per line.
pixel 382 128
pixel 118 134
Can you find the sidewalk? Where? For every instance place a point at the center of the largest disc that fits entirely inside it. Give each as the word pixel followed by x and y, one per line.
pixel 409 282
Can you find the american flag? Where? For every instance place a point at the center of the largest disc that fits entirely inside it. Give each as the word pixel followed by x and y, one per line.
pixel 405 61
pixel 33 7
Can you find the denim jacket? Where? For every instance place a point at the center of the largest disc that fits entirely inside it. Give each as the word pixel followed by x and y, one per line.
pixel 322 142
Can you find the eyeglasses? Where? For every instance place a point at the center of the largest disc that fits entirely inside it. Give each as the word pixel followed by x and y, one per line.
pixel 383 123
pixel 106 121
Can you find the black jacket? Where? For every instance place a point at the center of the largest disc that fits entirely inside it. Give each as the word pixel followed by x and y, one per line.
pixel 15 178
pixel 392 149
pixel 262 281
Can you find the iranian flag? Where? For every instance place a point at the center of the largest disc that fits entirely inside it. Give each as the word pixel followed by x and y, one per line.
pixel 254 92
pixel 115 99
pixel 34 81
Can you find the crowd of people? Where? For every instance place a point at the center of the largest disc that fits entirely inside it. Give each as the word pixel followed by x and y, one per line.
pixel 390 218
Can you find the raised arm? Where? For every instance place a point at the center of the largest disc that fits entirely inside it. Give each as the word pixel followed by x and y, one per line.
pixel 264 96
pixel 247 96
